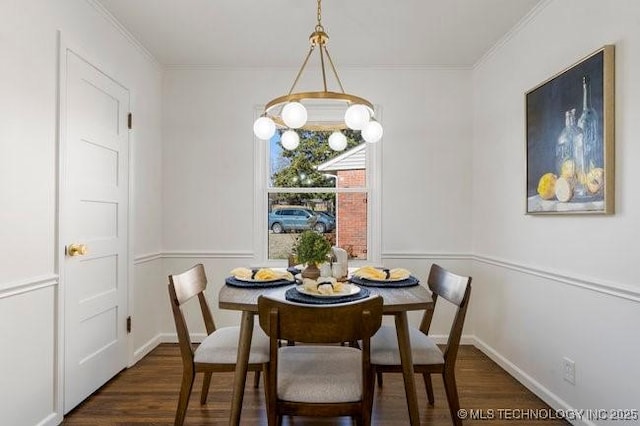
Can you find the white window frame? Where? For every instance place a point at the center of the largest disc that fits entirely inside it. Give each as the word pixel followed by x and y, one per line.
pixel 372 189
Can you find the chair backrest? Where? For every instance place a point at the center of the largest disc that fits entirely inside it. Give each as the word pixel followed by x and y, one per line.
pixel 320 324
pixel 182 288
pixel 456 289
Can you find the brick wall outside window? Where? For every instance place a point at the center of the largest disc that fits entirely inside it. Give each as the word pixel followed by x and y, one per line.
pixel 351 209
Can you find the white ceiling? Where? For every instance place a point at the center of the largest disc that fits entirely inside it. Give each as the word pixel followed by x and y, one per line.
pixel 272 33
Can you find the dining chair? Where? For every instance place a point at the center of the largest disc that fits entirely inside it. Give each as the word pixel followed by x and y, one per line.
pixel 427 357
pixel 313 378
pixel 218 351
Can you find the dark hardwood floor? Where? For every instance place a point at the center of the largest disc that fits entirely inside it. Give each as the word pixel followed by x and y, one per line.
pixel 147 394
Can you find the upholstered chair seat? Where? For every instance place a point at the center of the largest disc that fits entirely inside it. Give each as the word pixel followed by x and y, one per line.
pixel 385 351
pixel 319 374
pixel 221 347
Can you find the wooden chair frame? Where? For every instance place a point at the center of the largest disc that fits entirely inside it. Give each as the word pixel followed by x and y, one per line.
pixel 183 287
pixel 456 289
pixel 329 324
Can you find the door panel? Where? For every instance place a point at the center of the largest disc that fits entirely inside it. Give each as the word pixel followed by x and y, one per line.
pixel 99 164
pixel 94 213
pixel 97 219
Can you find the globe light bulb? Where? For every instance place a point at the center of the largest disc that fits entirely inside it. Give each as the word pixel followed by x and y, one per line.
pixel 294 115
pixel 357 116
pixel 290 140
pixel 337 141
pixel 372 133
pixel 264 128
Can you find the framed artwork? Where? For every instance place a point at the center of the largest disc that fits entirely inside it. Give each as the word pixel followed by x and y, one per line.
pixel 570 139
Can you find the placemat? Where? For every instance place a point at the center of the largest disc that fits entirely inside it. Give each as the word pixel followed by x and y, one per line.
pixel 233 281
pixel 294 295
pixel 409 282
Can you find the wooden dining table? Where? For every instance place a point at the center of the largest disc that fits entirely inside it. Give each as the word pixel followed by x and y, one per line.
pixel 396 302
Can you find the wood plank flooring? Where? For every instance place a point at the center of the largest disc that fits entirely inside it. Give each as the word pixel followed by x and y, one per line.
pixel 147 394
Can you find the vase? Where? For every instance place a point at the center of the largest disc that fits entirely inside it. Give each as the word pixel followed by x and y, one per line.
pixel 311 271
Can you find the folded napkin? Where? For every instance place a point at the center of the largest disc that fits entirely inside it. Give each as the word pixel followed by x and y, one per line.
pixel 378 274
pixel 262 274
pixel 399 274
pixel 324 285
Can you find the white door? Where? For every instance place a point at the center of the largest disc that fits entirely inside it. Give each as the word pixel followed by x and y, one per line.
pixel 93 216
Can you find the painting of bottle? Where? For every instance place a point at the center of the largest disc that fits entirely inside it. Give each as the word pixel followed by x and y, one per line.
pixel 588 122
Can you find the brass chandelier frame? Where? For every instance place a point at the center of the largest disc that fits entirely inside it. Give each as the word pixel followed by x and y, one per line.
pixel 318 39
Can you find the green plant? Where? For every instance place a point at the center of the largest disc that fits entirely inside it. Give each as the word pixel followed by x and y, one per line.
pixel 312 247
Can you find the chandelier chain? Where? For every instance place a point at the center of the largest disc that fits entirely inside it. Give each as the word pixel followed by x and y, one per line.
pixel 319 14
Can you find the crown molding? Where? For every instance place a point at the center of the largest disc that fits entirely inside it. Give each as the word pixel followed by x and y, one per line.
pixel 381 67
pixel 127 35
pixel 522 23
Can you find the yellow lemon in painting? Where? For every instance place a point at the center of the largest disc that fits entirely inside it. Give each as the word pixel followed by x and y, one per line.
pixel 595 180
pixel 564 190
pixel 547 186
pixel 568 169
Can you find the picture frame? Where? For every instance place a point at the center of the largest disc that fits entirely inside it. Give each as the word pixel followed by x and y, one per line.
pixel 570 139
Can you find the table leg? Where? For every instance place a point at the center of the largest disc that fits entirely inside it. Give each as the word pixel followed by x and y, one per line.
pixel 404 345
pixel 240 376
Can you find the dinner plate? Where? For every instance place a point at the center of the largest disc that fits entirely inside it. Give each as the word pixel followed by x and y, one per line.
pixel 348 290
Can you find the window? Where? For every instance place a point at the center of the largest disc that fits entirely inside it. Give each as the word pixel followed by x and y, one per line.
pixel 313 187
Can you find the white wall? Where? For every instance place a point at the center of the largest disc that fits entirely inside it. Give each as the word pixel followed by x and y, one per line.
pixel 552 287
pixel 29 282
pixel 208 175
pixel 452 191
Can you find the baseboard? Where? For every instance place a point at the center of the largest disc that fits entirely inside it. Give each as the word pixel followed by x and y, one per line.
pixel 144 350
pixel 441 339
pixel 553 400
pixel 173 337
pixel 51 420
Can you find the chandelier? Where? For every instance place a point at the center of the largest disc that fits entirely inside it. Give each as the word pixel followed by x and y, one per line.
pixel 289 113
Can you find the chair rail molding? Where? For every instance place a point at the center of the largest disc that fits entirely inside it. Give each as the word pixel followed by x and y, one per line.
pixel 427 255
pixel 148 257
pixel 627 292
pixel 27 285
pixel 208 254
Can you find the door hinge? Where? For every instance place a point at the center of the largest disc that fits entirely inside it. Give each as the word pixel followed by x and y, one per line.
pixel 130 121
pixel 128 324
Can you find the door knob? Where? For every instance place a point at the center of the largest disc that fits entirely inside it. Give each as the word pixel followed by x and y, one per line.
pixel 76 250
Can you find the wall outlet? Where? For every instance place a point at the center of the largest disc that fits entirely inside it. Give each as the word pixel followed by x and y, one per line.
pixel 569 370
